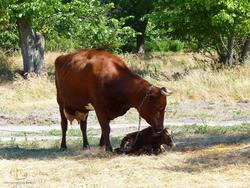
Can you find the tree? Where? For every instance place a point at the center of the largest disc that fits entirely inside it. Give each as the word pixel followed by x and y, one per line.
pixel 8 31
pixel 85 22
pixel 215 26
pixel 245 50
pixel 24 13
pixel 138 11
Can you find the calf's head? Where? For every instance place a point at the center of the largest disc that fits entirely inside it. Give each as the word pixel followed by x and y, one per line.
pixel 153 108
pixel 167 137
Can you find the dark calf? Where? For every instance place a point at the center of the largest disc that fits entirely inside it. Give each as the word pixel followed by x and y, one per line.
pixel 145 141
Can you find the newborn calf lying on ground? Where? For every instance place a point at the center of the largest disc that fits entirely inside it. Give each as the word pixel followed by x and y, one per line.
pixel 145 141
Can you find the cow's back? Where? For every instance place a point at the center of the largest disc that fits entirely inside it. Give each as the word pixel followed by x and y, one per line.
pixel 80 76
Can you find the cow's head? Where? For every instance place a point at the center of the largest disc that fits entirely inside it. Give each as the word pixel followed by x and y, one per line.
pixel 153 108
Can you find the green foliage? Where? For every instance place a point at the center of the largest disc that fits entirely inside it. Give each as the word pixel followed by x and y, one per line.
pixel 164 45
pixel 87 26
pixel 9 39
pixel 6 71
pixel 137 13
pixel 8 32
pixel 176 46
pixel 211 24
pixel 65 24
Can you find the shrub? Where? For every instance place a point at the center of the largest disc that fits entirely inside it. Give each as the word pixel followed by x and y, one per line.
pixel 176 46
pixel 164 45
pixel 6 70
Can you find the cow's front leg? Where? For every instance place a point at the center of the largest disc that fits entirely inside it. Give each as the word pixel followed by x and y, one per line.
pixel 105 135
pixel 102 143
pixel 83 125
pixel 64 127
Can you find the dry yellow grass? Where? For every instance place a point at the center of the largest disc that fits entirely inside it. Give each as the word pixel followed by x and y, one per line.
pixel 23 95
pixel 217 166
pixel 193 83
pixel 226 85
pixel 191 78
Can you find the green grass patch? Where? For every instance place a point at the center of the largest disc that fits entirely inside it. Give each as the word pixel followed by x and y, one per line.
pixel 218 130
pixel 70 132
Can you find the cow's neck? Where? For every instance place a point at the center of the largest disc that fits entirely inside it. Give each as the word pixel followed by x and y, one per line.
pixel 141 87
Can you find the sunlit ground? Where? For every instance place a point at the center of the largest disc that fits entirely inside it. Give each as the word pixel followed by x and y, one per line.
pixel 204 157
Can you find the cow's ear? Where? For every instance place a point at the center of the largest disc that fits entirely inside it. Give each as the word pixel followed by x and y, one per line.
pixel 166 91
pixel 152 95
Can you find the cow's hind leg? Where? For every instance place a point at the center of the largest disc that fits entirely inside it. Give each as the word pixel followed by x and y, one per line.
pixel 64 126
pixel 83 125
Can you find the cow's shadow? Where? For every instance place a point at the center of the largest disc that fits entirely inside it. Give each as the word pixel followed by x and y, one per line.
pixel 202 161
pixel 74 151
pixel 203 155
pixel 196 141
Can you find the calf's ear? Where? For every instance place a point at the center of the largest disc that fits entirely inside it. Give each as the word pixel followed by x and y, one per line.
pixel 169 131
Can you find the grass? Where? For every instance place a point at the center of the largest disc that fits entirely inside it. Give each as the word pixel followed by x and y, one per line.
pixel 186 74
pixel 191 77
pixel 205 156
pixel 22 95
pixel 244 128
pixel 201 159
pixel 205 129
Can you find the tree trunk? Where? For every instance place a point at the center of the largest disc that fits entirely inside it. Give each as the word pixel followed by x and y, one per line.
pixel 227 58
pixel 140 43
pixel 140 38
pixel 245 50
pixel 32 47
pixel 230 61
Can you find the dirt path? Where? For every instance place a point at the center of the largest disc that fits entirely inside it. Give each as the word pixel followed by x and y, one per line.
pixel 186 113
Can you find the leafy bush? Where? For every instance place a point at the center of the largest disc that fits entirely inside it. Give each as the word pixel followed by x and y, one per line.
pixel 164 45
pixel 6 71
pixel 176 46
pixel 8 40
pixel 61 44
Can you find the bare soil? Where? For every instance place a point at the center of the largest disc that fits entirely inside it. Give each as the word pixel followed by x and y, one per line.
pixel 185 113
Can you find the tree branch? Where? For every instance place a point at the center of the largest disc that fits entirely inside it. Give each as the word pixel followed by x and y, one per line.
pixel 224 44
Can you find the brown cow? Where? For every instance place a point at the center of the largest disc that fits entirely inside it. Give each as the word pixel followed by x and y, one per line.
pixel 145 141
pixel 97 80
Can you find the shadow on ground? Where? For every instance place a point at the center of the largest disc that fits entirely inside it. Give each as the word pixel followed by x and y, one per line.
pixel 187 143
pixel 202 161
pixel 50 150
pixel 203 155
pixel 196 141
